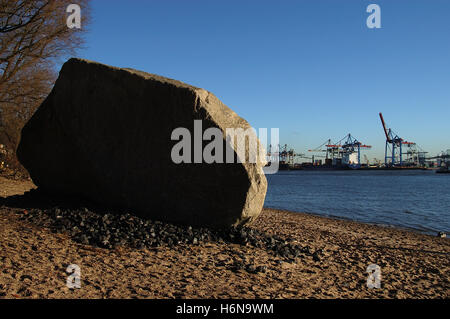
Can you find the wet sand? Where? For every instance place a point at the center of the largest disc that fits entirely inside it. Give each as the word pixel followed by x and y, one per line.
pixel 34 260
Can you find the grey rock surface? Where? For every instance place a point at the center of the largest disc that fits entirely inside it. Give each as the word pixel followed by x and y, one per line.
pixel 104 133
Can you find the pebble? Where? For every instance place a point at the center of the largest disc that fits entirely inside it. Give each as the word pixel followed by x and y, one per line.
pixel 105 229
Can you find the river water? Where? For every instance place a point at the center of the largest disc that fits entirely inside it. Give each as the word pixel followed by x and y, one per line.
pixel 414 199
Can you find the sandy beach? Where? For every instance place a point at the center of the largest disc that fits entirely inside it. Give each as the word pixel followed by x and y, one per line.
pixel 34 260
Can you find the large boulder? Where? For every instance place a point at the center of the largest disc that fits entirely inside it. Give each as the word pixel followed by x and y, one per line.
pixel 104 133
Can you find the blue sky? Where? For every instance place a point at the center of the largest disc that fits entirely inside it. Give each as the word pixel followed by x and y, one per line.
pixel 311 68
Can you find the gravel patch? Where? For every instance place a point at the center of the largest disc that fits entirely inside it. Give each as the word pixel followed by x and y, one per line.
pixel 101 228
pixel 112 230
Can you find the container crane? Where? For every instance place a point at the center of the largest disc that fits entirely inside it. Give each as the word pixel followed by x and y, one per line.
pixel 341 151
pixel 393 148
pixel 330 151
pixel 443 161
pixel 286 156
pixel 350 145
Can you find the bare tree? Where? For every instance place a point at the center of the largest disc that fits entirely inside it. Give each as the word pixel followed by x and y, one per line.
pixel 33 37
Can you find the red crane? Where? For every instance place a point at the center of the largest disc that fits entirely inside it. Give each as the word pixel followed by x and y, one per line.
pixel 385 129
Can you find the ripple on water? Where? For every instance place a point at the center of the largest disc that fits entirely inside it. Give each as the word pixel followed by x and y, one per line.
pixel 419 200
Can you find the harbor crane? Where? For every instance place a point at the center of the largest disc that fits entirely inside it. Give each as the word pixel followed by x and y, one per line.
pixel 443 161
pixel 342 150
pixel 330 151
pixel 395 149
pixel 286 155
pixel 352 145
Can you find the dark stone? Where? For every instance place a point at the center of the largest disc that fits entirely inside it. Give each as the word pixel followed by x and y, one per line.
pixel 262 269
pixel 316 257
pixel 251 269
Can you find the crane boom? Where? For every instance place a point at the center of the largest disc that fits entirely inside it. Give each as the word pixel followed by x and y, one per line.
pixel 385 129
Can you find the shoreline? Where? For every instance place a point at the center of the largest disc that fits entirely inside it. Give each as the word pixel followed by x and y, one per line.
pixel 389 226
pixel 11 187
pixel 413 265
